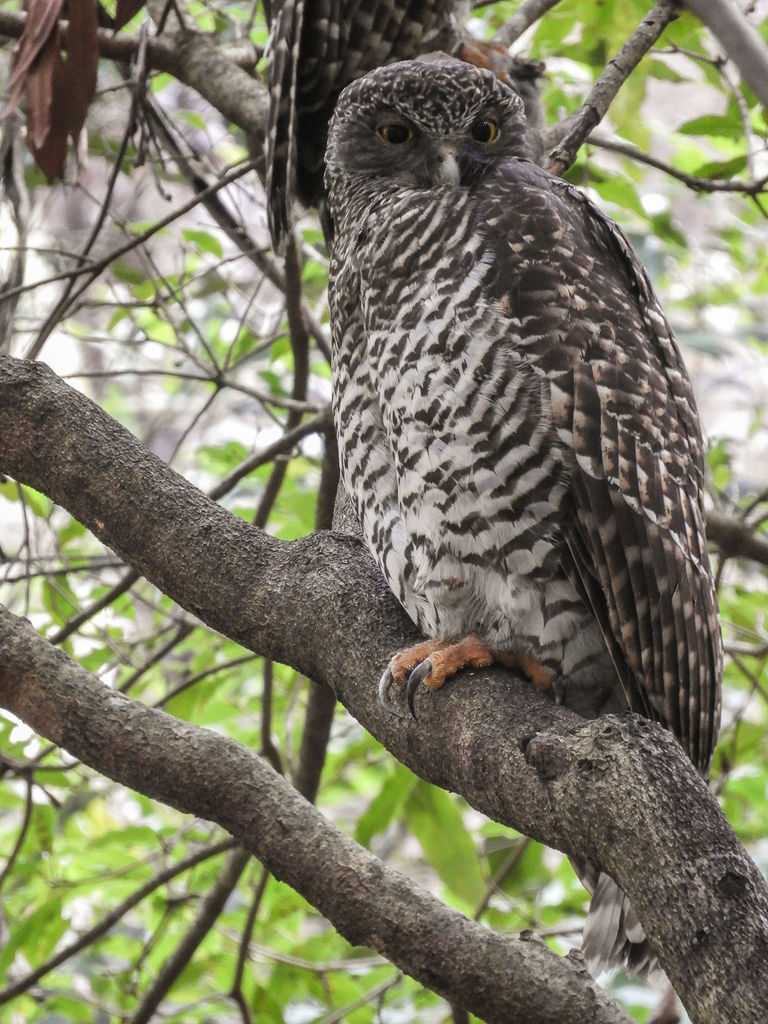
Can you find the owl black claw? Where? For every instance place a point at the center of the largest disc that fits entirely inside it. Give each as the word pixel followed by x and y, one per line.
pixel 386 683
pixel 422 671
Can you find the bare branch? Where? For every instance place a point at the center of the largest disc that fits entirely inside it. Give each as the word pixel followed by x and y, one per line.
pixel 219 74
pixel 208 913
pixel 95 267
pixel 522 19
pixel 321 703
pixel 736 538
pixel 619 792
pixel 747 188
pixel 572 132
pixel 110 919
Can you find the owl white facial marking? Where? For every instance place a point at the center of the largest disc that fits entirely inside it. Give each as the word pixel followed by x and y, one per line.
pixel 448 171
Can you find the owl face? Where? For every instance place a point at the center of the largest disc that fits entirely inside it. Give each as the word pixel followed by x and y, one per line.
pixel 424 124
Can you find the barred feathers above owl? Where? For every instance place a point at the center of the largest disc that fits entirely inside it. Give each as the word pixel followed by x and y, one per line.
pixel 319 46
pixel 517 430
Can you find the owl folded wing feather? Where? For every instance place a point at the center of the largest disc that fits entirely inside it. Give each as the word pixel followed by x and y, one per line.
pixel 638 470
pixel 623 409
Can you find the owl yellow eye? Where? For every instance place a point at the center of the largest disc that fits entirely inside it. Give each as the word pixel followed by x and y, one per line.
pixel 484 130
pixel 396 134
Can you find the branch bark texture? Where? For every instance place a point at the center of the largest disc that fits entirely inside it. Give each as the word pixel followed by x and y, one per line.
pixel 619 792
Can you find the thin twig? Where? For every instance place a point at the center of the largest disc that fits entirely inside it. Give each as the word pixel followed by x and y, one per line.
pixel 243 952
pixel 280 447
pixel 112 918
pixel 506 868
pixel 120 588
pixel 522 19
pixel 25 823
pixel 207 914
pixel 696 184
pixel 181 633
pixel 739 38
pixel 95 267
pixel 299 339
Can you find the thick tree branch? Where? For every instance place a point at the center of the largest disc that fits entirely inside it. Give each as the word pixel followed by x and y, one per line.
pixel 739 39
pixel 198 771
pixel 619 792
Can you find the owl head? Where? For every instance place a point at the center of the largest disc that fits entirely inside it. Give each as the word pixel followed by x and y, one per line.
pixel 424 123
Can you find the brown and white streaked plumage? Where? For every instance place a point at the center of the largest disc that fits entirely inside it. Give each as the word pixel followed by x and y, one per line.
pixel 517 429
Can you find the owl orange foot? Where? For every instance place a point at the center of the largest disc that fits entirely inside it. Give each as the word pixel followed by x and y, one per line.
pixel 434 661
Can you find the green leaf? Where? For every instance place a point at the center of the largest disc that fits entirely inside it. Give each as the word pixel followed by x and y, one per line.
pixel 386 805
pixel 712 124
pixel 721 169
pixel 37 502
pixel 44 819
pixel 36 934
pixel 616 188
pixel 204 240
pixel 660 69
pixel 434 817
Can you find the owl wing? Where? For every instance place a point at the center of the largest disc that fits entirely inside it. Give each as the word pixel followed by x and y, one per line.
pixel 281 128
pixel 319 47
pixel 623 410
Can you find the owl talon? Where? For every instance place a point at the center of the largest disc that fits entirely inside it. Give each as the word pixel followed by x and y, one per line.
pixel 386 683
pixel 420 674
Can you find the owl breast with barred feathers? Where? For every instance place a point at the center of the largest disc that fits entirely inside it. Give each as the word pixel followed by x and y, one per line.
pixel 517 430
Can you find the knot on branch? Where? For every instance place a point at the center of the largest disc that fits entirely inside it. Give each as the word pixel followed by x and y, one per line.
pixel 549 754
pixel 593 747
pixel 732 884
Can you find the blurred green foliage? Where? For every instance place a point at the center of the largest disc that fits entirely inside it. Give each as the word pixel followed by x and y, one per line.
pixel 186 342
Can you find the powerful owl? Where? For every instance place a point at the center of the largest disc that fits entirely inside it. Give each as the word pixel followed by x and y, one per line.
pixel 517 430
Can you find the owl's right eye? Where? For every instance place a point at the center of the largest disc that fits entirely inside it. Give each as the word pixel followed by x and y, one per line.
pixel 396 134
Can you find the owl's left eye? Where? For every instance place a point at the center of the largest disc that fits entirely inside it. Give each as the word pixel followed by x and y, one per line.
pixel 484 130
pixel 396 134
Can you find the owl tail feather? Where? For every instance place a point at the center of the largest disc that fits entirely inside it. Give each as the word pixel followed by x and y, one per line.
pixel 613 934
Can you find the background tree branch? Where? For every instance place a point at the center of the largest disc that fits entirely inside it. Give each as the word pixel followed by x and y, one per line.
pixel 222 75
pixel 200 772
pixel 574 130
pixel 739 39
pixel 619 792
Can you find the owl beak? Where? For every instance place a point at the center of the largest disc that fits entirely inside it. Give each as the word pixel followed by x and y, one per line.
pixel 448 172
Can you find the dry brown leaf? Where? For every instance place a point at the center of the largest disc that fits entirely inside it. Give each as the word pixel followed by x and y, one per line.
pixel 47 130
pixel 41 26
pixel 79 70
pixel 57 91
